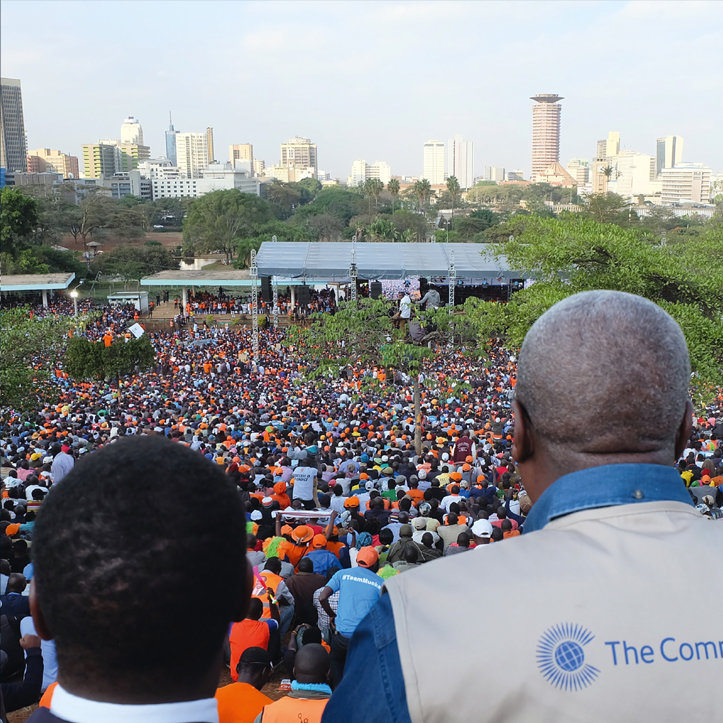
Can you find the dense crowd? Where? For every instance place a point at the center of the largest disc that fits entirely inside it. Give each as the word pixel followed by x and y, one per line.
pixel 337 497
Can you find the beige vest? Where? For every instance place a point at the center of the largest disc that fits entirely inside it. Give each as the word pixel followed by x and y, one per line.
pixel 610 615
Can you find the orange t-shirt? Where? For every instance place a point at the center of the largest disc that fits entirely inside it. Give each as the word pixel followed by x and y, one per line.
pixel 246 634
pixel 239 703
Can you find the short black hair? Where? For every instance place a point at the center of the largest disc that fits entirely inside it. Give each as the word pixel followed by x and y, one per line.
pixel 116 547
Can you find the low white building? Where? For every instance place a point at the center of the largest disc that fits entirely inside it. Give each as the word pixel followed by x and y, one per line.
pixel 686 182
pixel 216 177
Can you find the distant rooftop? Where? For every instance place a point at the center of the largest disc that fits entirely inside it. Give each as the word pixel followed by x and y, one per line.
pixel 35 282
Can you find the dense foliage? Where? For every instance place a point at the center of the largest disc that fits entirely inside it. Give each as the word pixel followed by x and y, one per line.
pixel 93 360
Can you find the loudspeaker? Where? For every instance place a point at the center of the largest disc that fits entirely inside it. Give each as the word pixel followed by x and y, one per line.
pixel 303 295
pixel 375 289
pixel 266 293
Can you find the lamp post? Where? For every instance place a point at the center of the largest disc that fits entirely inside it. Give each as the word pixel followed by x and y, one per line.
pixel 74 296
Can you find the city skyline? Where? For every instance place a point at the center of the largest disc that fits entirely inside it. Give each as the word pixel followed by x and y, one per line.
pixel 374 101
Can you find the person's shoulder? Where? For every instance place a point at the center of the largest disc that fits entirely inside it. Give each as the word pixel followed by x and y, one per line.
pixel 43 715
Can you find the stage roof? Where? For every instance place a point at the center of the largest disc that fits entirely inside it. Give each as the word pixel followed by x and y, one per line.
pixel 35 282
pixel 329 261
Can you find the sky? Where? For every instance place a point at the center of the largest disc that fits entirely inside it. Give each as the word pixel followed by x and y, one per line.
pixel 370 80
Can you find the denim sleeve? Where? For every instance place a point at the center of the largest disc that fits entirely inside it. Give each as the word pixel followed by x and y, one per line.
pixel 372 664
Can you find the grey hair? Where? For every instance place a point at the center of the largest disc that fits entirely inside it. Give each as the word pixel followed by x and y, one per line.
pixel 604 372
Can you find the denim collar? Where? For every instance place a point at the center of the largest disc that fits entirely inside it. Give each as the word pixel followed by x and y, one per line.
pixel 605 486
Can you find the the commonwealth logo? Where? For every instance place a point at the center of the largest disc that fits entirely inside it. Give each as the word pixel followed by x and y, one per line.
pixel 561 657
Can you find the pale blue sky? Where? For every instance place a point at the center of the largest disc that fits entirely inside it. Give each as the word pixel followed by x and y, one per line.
pixel 370 80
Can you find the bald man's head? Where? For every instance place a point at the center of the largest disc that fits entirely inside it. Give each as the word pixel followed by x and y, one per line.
pixel 604 372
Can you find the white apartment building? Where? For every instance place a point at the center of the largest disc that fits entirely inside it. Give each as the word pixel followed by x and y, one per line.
pixel 460 160
pixel 434 163
pixel 191 153
pixel 131 131
pixel 631 175
pixel 686 182
pixel 216 177
pixel 361 171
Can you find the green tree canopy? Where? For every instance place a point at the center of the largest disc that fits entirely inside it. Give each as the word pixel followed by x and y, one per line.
pixel 19 219
pixel 579 254
pixel 30 350
pixel 218 220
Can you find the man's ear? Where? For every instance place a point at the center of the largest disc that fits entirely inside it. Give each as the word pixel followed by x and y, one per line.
pixel 38 618
pixel 684 430
pixel 523 446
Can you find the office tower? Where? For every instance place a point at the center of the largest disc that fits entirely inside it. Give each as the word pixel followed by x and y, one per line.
pixel 515 175
pixel 99 159
pixel 686 182
pixel 209 144
pixel 191 154
pixel 13 144
pixel 460 161
pixel 171 140
pixel 298 156
pixel 631 174
pixel 434 162
pixel 242 152
pixel 259 167
pixel 47 160
pixel 579 169
pixel 545 132
pixel 131 131
pixel 668 152
pixel 598 175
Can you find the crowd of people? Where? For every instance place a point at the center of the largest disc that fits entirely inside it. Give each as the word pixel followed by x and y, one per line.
pixel 337 498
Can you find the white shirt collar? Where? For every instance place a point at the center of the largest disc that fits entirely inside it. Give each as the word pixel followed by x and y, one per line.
pixel 81 710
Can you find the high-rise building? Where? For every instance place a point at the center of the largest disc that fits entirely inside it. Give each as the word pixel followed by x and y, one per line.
pixel 171 140
pixel 460 160
pixel 686 182
pixel 259 167
pixel 209 144
pixel 434 163
pixel 545 132
pixel 668 152
pixel 610 146
pixel 579 169
pixel 361 171
pixel 191 154
pixel 299 158
pixel 243 152
pixel 46 160
pixel 131 131
pixel 13 144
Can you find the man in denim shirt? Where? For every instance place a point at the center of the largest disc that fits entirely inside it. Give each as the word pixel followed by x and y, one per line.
pixel 597 592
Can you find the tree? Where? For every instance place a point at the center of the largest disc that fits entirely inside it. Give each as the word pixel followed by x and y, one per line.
pixel 606 207
pixel 86 359
pixel 407 222
pixel 30 349
pixel 454 191
pixel 133 263
pixel 372 189
pixel 364 335
pixel 423 192
pixel 216 221
pixel 579 254
pixel 393 188
pixel 382 229
pixel 18 220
